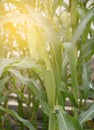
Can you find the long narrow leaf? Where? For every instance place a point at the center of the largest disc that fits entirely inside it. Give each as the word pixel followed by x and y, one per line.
pixel 26 81
pixel 4 98
pixel 65 121
pixel 87 50
pixel 78 32
pixel 87 115
pixel 82 26
pixel 35 88
pixel 5 63
pixel 27 63
pixel 14 114
pixel 73 65
pixel 3 82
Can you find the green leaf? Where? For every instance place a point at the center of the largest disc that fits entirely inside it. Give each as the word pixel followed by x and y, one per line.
pixel 87 50
pixel 85 80
pixel 78 32
pixel 68 94
pixel 5 63
pixel 4 98
pixel 27 63
pixel 22 96
pixel 49 84
pixel 14 114
pixel 72 54
pixel 65 122
pixel 75 123
pixel 45 107
pixel 27 81
pixel 80 29
pixel 35 88
pixel 87 115
pixel 3 82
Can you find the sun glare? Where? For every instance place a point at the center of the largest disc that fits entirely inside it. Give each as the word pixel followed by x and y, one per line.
pixel 14 36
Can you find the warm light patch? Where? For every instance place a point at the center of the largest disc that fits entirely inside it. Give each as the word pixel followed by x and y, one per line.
pixel 14 36
pixel 22 35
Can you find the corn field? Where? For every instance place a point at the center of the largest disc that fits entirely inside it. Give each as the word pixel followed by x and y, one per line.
pixel 46 65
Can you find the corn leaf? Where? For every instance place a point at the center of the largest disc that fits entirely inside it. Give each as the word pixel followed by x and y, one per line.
pixel 22 96
pixel 3 81
pixel 85 80
pixel 26 81
pixel 14 114
pixel 5 63
pixel 4 98
pixel 27 63
pixel 87 50
pixel 49 83
pixel 36 19
pixel 64 120
pixel 73 64
pixel 69 95
pixel 34 87
pixel 76 123
pixel 80 29
pixel 78 32
pixel 87 115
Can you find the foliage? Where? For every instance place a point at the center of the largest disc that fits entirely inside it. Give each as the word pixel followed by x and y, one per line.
pixel 45 52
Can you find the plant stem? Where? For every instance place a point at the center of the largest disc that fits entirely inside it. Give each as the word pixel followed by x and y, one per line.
pixel 52 121
pixel 20 112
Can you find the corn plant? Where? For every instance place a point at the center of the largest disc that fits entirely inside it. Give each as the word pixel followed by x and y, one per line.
pixel 45 52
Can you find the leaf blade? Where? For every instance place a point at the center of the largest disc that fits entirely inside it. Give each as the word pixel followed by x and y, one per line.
pixel 87 115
